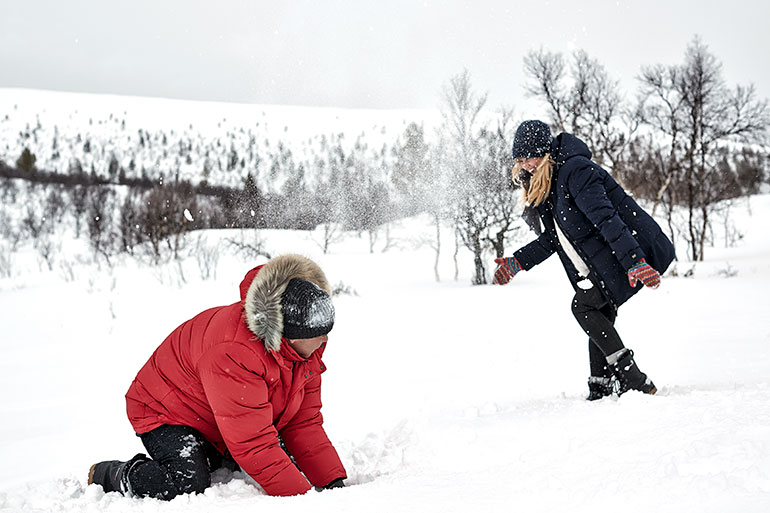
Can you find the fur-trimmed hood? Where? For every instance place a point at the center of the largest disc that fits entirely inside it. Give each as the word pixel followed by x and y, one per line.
pixel 262 288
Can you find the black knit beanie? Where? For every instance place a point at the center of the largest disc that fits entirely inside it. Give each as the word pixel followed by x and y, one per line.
pixel 533 139
pixel 307 310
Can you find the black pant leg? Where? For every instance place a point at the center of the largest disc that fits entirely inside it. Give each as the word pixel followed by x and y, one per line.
pixel 597 361
pixel 597 317
pixel 180 463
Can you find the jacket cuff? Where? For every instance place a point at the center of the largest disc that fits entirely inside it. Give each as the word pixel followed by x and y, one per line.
pixel 632 257
pixel 288 482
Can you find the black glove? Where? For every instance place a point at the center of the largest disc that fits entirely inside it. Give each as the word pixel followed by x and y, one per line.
pixel 337 483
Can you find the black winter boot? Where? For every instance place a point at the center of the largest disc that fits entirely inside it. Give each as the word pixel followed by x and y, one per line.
pixel 113 475
pixel 602 382
pixel 601 386
pixel 630 377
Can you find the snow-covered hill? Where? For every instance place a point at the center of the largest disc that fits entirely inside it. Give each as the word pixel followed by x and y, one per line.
pixel 218 142
pixel 439 396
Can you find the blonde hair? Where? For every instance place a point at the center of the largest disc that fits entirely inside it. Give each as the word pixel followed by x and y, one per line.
pixel 539 185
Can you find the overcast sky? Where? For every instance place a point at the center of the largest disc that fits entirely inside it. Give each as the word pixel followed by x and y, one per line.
pixel 357 53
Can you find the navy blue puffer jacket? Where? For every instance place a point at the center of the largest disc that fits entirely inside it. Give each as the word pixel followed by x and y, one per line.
pixel 608 229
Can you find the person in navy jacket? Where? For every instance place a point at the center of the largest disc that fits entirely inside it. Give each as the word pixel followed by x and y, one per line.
pixel 609 246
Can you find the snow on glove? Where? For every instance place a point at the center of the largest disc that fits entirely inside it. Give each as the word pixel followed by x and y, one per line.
pixel 506 269
pixel 641 271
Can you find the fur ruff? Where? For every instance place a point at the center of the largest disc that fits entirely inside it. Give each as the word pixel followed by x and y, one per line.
pixel 263 299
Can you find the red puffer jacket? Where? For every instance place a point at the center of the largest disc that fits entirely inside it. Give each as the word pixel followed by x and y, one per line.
pixel 226 373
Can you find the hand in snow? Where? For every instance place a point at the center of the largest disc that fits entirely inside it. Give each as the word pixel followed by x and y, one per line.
pixel 337 483
pixel 641 271
pixel 506 269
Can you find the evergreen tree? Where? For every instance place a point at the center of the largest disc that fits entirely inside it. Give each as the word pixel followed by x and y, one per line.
pixel 26 162
pixel 411 171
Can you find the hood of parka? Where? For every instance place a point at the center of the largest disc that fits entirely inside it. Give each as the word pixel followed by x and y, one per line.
pixel 261 292
pixel 565 146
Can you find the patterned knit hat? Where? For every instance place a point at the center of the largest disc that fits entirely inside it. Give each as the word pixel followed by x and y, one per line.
pixel 533 139
pixel 307 310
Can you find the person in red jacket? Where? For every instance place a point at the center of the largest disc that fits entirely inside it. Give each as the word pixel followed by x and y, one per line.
pixel 239 382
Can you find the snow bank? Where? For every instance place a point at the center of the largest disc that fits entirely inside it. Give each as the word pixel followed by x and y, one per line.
pixel 439 396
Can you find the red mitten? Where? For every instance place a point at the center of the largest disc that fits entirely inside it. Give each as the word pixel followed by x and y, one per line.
pixel 641 271
pixel 506 269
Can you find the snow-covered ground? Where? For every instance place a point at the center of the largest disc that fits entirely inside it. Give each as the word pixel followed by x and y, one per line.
pixel 439 396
